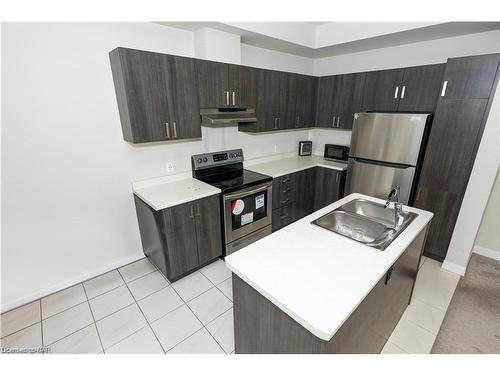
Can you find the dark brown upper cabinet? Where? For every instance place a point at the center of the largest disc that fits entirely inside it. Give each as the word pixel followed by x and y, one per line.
pixel 302 96
pixel 157 99
pixel 338 98
pixel 413 89
pixel 277 112
pixel 420 88
pixel 213 84
pixel 325 104
pixel 469 77
pixel 227 85
pixel 381 91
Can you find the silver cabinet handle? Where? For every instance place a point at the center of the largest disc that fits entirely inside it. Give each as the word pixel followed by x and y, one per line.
pixel 298 121
pixel 333 121
pixel 227 97
pixel 191 213
pixel 403 89
pixel 279 122
pixel 234 97
pixel 175 129
pixel 337 178
pixel 198 213
pixel 274 123
pixel 396 92
pixel 167 128
pixel 443 90
pixel 338 121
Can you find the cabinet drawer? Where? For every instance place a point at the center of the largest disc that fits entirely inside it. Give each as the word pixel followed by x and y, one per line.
pixel 284 190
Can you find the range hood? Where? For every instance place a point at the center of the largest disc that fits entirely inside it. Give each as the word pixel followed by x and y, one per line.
pixel 227 116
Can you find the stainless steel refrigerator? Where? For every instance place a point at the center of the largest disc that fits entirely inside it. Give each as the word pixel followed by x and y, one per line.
pixel 387 149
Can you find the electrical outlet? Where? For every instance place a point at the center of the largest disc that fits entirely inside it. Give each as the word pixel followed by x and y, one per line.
pixel 170 167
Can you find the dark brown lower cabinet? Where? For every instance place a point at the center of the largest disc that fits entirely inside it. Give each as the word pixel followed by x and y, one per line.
pixel 298 194
pixel 329 187
pixel 182 238
pixel 260 327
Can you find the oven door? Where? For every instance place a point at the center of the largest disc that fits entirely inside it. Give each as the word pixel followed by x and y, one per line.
pixel 247 210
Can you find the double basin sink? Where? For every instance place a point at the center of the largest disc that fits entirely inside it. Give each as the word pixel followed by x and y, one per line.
pixel 366 222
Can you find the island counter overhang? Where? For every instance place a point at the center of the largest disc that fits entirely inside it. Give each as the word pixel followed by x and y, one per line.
pixel 317 278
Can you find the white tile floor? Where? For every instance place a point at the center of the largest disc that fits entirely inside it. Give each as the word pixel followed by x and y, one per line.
pixel 136 310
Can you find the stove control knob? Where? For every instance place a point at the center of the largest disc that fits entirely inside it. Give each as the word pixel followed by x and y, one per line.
pixel 205 160
pixel 231 156
pixel 200 160
pixel 240 153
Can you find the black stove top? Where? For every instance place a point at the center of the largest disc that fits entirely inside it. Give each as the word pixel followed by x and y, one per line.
pixel 235 180
pixel 224 170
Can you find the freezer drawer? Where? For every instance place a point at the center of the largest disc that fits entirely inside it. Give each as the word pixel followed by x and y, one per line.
pixel 378 180
pixel 390 137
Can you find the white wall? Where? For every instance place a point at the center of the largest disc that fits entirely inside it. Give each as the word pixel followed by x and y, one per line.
pixel 268 59
pixel 67 208
pixel 430 52
pixel 488 237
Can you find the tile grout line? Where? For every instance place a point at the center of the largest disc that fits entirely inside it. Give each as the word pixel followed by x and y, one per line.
pixel 93 317
pixel 19 330
pixel 41 324
pixel 180 342
pixel 397 346
pixel 69 334
pixel 192 312
pixel 66 336
pixel 144 316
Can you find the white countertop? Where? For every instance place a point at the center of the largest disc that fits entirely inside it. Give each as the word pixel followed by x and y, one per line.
pixel 315 276
pixel 162 193
pixel 280 167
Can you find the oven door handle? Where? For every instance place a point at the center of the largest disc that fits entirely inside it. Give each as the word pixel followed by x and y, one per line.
pixel 245 193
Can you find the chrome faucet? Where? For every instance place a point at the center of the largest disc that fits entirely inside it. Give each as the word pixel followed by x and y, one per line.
pixel 398 207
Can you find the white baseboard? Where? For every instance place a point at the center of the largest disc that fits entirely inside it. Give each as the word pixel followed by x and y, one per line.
pixel 67 283
pixel 484 251
pixel 452 267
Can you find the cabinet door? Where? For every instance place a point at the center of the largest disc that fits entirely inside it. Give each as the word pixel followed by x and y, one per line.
pixel 470 77
pixel 249 89
pixel 304 92
pixel 420 88
pixel 382 89
pixel 275 94
pixel 326 107
pixel 349 98
pixel 208 228
pixel 398 287
pixel 213 84
pixel 142 89
pixel 305 192
pixel 327 187
pixel 180 232
pixel 447 165
pixel 186 122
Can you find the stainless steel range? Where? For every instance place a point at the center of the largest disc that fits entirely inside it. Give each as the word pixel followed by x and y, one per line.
pixel 246 199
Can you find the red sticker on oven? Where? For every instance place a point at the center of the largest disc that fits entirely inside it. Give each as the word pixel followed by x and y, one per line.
pixel 237 206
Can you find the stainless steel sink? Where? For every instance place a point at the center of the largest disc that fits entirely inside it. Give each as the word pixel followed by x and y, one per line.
pixel 366 222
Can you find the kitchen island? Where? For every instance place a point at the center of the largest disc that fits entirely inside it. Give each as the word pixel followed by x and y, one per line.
pixel 305 289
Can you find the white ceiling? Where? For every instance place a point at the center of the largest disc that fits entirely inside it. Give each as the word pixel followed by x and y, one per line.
pixel 322 39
